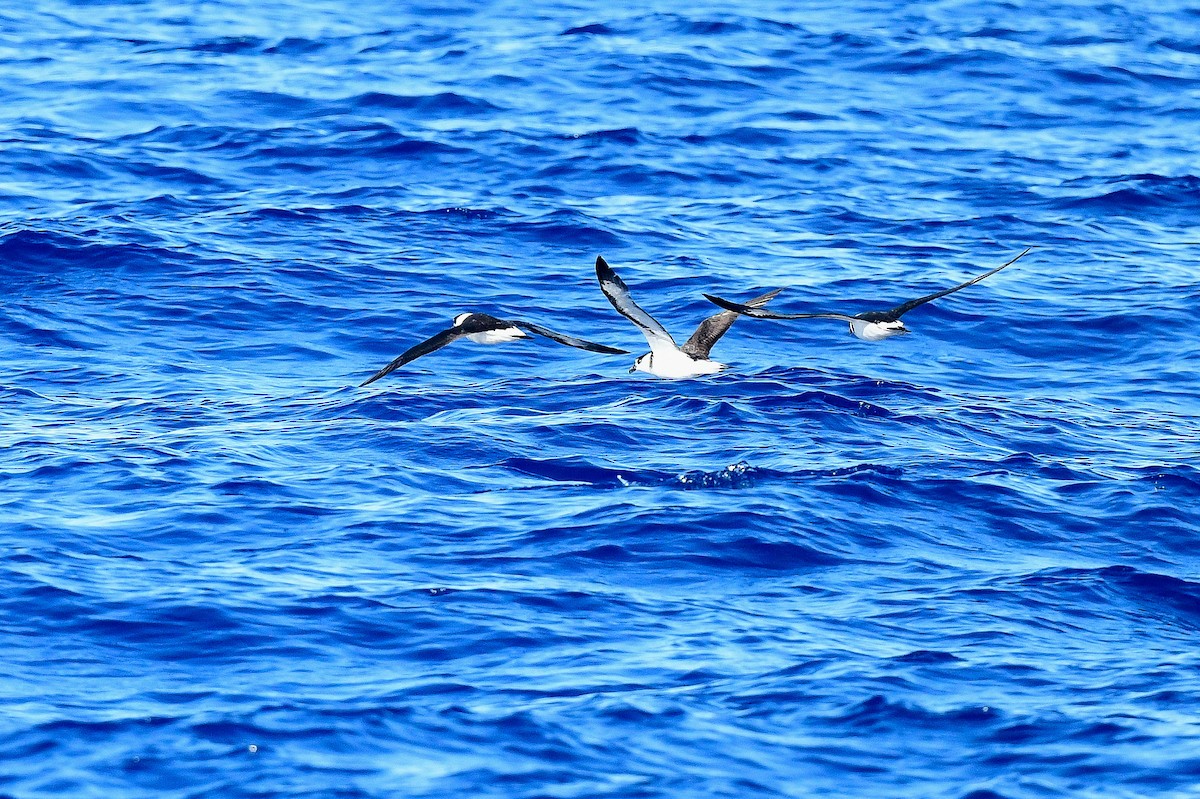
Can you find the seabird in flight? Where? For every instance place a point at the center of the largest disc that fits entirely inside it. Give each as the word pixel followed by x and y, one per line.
pixel 869 325
pixel 484 329
pixel 666 358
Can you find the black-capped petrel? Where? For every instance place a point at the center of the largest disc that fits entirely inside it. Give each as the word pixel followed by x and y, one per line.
pixel 869 325
pixel 666 358
pixel 484 329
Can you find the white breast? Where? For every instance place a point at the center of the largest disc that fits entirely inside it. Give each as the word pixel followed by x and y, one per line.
pixel 498 336
pixel 876 331
pixel 676 365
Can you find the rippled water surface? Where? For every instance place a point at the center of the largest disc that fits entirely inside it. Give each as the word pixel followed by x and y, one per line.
pixel 957 564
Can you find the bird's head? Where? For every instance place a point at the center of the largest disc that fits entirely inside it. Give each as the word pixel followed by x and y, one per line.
pixel 643 364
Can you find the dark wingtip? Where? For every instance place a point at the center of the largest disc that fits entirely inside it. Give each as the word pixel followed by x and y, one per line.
pixel 763 299
pixel 723 303
pixel 602 267
pixel 1022 254
pixel 384 372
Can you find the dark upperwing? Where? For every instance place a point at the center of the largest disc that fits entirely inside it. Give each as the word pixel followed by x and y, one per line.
pixel 893 314
pixel 715 326
pixel 764 313
pixel 411 354
pixel 570 341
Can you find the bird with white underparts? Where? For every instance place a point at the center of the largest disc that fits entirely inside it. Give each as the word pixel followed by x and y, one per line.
pixel 869 325
pixel 666 358
pixel 484 329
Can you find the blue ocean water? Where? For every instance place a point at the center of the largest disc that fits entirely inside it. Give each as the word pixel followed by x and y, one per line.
pixel 960 563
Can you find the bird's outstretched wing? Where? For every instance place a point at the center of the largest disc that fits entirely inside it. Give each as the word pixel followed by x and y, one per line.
pixel 618 294
pixel 764 313
pixel 715 326
pixel 412 353
pixel 893 314
pixel 570 341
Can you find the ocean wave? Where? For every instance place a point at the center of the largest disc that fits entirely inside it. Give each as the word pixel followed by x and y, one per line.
pixel 520 569
pixel 449 103
pixel 26 252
